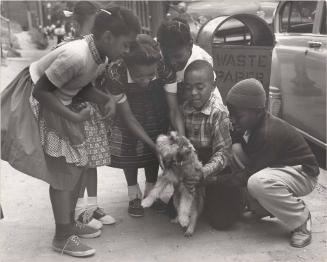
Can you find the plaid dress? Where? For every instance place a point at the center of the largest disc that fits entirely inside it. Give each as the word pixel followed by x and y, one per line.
pixel 82 144
pixel 43 144
pixel 148 106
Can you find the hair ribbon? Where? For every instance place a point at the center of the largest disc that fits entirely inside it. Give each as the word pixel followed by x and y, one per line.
pixel 107 12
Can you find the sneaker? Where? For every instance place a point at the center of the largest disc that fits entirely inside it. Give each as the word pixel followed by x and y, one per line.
pixel 135 209
pixel 87 218
pixel 104 218
pixel 301 236
pixel 73 247
pixel 159 206
pixel 255 217
pixel 85 231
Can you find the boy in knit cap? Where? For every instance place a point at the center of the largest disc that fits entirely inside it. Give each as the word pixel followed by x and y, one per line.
pixel 277 164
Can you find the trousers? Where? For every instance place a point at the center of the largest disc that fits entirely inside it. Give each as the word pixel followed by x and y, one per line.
pixel 278 191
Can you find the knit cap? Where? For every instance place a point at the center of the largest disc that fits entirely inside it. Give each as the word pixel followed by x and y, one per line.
pixel 247 93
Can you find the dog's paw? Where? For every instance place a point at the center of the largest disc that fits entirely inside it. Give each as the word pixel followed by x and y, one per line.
pixel 147 202
pixel 189 232
pixel 184 221
pixel 174 220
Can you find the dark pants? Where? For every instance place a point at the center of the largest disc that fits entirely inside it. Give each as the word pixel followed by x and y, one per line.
pixel 222 206
pixel 223 203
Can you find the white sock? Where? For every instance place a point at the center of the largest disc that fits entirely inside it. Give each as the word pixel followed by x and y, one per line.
pixel 148 188
pixel 139 192
pixel 80 207
pixel 134 192
pixel 92 203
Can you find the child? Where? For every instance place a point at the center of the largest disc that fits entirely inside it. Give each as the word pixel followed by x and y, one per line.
pixel 46 134
pixel 89 213
pixel 179 51
pixel 278 164
pixel 207 127
pixel 139 83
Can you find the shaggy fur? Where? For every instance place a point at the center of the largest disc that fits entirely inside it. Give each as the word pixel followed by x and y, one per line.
pixel 180 162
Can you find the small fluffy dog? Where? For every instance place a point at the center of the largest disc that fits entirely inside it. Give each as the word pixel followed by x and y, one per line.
pixel 180 162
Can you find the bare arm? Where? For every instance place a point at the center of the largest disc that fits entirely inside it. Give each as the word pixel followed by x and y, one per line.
pixel 43 92
pixel 105 100
pixel 93 94
pixel 175 115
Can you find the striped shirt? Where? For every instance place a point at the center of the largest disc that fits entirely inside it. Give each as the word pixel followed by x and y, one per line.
pixel 208 130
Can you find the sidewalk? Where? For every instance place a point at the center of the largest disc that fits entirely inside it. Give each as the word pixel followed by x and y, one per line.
pixel 26 231
pixel 16 64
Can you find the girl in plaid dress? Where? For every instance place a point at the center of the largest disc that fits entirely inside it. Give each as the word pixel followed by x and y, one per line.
pixel 145 109
pixel 87 210
pixel 50 134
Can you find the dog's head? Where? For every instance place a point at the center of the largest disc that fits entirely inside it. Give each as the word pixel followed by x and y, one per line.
pixel 174 148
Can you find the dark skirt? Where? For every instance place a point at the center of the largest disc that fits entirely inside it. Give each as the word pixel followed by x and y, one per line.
pixel 150 109
pixel 24 142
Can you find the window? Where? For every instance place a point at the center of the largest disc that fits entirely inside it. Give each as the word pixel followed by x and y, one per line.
pixel 284 17
pixel 298 16
pixel 323 21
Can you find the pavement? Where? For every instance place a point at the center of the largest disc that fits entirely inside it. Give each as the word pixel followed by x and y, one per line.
pixel 26 231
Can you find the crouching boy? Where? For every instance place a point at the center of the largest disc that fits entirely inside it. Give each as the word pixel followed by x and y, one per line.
pixel 207 127
pixel 278 165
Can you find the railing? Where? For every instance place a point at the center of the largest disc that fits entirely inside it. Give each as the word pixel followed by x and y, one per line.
pixel 5 39
pixel 142 10
pixel 5 31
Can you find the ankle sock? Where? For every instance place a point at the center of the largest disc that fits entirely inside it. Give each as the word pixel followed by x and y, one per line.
pixel 92 203
pixel 134 191
pixel 139 192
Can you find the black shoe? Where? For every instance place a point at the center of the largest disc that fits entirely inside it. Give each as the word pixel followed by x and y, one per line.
pixel 301 236
pixel 104 218
pixel 135 209
pixel 159 206
pixel 255 217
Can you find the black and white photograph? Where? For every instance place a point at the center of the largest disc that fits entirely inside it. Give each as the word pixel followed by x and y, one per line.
pixel 167 131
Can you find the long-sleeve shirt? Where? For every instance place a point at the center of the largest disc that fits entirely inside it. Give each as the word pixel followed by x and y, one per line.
pixel 208 131
pixel 274 143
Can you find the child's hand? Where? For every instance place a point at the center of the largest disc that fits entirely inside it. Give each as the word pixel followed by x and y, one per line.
pixel 109 108
pixel 192 180
pixel 84 114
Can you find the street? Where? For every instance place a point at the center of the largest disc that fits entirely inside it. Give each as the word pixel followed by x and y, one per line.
pixel 28 227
